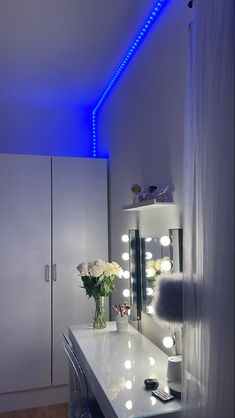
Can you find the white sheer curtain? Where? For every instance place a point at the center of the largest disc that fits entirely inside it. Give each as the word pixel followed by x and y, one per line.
pixel 209 214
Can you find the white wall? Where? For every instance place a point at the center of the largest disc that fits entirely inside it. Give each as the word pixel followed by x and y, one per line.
pixel 55 59
pixel 143 122
pixel 45 130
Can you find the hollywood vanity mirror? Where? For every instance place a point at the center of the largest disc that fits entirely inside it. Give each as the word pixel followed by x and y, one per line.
pixel 149 257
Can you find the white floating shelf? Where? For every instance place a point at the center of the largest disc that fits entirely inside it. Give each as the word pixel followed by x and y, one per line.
pixel 148 204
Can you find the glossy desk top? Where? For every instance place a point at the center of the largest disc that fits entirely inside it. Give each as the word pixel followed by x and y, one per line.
pixel 116 365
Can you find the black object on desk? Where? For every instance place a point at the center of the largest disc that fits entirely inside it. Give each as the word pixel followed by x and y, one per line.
pixel 151 383
pixel 162 395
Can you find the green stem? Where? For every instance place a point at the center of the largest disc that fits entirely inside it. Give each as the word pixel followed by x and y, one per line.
pixel 99 320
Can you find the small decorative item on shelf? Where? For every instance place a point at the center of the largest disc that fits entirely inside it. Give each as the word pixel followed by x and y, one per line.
pixel 142 194
pixel 151 194
pixel 136 189
pixel 163 195
pixel 121 316
pixel 98 282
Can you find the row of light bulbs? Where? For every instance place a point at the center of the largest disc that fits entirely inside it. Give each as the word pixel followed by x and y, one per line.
pixel 165 241
pixel 126 274
pixel 165 264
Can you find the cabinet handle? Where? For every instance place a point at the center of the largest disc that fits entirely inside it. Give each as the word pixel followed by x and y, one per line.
pixel 54 273
pixel 47 273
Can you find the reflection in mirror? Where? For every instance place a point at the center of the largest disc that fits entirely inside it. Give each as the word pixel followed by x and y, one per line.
pixel 150 257
pixel 159 255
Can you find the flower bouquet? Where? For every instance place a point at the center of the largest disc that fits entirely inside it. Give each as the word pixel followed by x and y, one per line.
pixel 98 282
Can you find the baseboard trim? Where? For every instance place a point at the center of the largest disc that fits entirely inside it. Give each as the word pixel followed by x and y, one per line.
pixel 34 398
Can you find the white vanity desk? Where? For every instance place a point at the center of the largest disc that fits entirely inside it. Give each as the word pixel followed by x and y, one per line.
pixel 116 365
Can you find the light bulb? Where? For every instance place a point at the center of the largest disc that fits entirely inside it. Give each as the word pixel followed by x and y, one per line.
pixel 126 293
pixel 125 238
pixel 126 274
pixel 168 342
pixel 148 255
pixel 166 265
pixel 125 256
pixel 165 240
pixel 149 291
pixel 149 309
pixel 148 239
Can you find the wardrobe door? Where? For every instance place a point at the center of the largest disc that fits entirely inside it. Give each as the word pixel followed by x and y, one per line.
pixel 80 233
pixel 25 296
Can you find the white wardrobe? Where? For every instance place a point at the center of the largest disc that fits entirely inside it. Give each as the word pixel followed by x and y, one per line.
pixel 53 215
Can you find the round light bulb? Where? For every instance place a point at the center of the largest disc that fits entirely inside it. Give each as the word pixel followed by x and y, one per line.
pixel 126 274
pixel 126 293
pixel 166 265
pixel 168 342
pixel 148 239
pixel 125 256
pixel 149 291
pixel 125 238
pixel 165 241
pixel 149 309
pixel 148 255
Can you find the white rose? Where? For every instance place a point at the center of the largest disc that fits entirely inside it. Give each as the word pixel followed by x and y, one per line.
pixel 118 271
pixel 150 264
pixel 109 270
pixel 157 264
pixel 100 263
pixel 96 270
pixel 150 272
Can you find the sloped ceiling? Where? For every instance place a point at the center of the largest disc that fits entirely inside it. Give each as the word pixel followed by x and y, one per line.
pixel 63 52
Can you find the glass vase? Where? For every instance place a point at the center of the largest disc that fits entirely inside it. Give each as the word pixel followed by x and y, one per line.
pixel 99 320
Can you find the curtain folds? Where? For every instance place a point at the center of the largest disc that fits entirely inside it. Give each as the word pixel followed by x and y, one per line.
pixel 209 214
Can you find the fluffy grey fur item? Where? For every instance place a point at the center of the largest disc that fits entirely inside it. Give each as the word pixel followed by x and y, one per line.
pixel 168 300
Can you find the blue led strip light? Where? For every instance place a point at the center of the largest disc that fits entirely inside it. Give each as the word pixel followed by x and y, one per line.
pixel 138 40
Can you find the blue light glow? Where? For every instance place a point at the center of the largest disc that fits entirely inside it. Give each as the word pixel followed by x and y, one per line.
pixel 132 50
